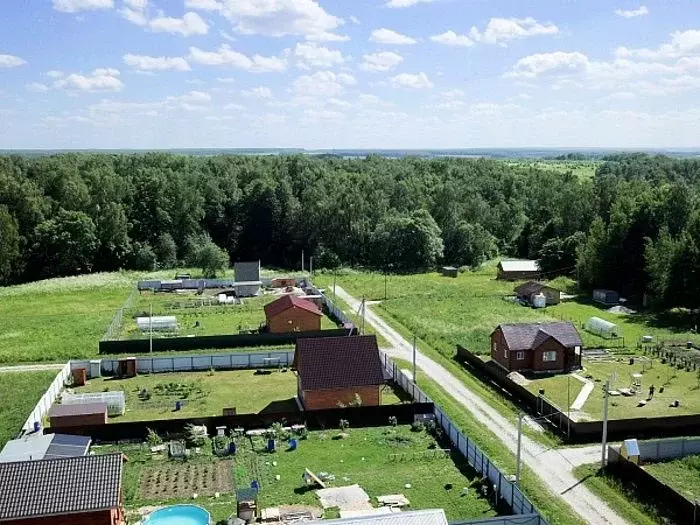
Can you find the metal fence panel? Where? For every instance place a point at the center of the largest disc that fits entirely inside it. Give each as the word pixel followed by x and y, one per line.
pixel 44 404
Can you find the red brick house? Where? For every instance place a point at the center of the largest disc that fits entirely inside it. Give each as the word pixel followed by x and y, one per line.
pixel 292 314
pixel 74 491
pixel 536 347
pixel 331 370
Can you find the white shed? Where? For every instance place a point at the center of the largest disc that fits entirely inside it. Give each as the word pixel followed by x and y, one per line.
pixel 602 328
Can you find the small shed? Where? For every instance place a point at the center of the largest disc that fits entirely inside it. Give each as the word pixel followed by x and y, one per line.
pixel 527 290
pixel 66 416
pixel 630 450
pixel 606 297
pixel 602 328
pixel 284 282
pixel 449 271
pixel 517 269
pixel 34 447
pixel 292 314
pixel 249 273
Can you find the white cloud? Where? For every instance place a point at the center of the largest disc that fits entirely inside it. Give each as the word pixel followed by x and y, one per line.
pixel 191 101
pixel 11 61
pixel 322 83
pixel 452 93
pixel 557 62
pixel 327 36
pixel 310 55
pixel 54 74
pixel 225 56
pixel 382 61
pixel 37 87
pixel 449 105
pixel 74 6
pixel 354 20
pixel 501 30
pixel 204 5
pixel 260 92
pixel 632 13
pixel 418 81
pixel 347 79
pixel 135 12
pixel 226 36
pixel 103 79
pixel 147 63
pixel 389 36
pixel 398 4
pixel 682 44
pixel 618 95
pixel 450 38
pixel 323 114
pixel 226 80
pixel 234 106
pixel 190 24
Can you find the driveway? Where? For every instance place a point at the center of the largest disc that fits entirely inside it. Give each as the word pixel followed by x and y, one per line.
pixel 553 466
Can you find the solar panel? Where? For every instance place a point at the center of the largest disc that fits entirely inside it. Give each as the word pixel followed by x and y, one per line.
pixel 65 451
pixel 67 439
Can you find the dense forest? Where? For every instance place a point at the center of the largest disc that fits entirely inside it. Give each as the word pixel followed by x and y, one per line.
pixel 634 227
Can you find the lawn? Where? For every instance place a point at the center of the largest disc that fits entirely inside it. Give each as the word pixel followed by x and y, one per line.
pixel 195 315
pixel 583 169
pixel 19 394
pixel 203 393
pixel 682 474
pixel 677 384
pixel 401 455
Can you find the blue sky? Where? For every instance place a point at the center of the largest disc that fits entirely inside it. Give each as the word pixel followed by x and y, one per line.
pixel 349 73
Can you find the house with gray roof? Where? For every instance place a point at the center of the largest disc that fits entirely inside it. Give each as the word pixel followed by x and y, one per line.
pixel 82 490
pixel 414 517
pixel 536 347
pixel 517 270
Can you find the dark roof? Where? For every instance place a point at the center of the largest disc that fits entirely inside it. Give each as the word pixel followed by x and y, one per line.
pixel 286 302
pixel 532 287
pixel 246 271
pixel 78 410
pixel 529 336
pixel 338 362
pixel 59 486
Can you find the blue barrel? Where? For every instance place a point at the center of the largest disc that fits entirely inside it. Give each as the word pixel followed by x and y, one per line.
pixel 232 447
pixel 293 444
pixel 37 426
pixel 255 485
pixel 178 406
pixel 270 445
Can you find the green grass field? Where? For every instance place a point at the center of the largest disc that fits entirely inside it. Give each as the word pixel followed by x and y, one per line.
pixel 681 474
pixel 19 394
pixel 205 393
pixel 583 169
pixel 436 482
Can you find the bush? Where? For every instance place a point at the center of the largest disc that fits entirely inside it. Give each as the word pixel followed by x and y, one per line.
pixel 152 438
pixel 417 426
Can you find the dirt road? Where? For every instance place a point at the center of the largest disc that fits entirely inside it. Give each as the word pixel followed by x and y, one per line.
pixel 553 466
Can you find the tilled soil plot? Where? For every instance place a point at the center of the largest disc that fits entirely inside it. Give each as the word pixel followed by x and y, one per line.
pixel 173 481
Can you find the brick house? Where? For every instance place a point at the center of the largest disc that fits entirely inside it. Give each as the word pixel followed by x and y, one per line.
pixel 292 314
pixel 331 370
pixel 534 347
pixel 526 290
pixel 75 491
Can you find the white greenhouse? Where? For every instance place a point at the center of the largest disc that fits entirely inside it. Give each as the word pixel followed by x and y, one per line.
pixel 116 404
pixel 602 328
pixel 157 323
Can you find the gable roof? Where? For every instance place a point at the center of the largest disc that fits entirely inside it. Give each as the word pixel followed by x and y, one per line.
pixel 532 287
pixel 527 336
pixel 59 486
pixel 338 362
pixel 415 517
pixel 286 302
pixel 519 266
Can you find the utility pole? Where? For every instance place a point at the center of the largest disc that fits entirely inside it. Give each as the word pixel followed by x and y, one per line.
pixel 520 439
pixel 150 328
pixel 335 274
pixel 363 306
pixel 302 261
pixel 414 359
pixel 605 424
pixel 311 264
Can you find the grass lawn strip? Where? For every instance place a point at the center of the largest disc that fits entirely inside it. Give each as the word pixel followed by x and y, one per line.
pixel 19 394
pixel 682 474
pixel 403 457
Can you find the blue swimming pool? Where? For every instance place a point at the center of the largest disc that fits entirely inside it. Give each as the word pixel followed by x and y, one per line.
pixel 179 515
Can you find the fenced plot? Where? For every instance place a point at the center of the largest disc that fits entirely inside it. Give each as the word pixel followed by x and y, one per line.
pixel 182 480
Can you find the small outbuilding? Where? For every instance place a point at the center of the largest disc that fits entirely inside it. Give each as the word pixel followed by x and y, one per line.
pixel 284 282
pixel 66 416
pixel 526 291
pixel 34 447
pixel 292 314
pixel 334 370
pixel 536 347
pixel 606 297
pixel 602 328
pixel 516 270
pixel 449 271
pixel 73 491
pixel 248 273
pixel 157 323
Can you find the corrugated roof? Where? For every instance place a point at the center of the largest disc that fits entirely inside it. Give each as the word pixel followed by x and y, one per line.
pixel 44 446
pixel 338 362
pixel 286 302
pixel 77 410
pixel 519 266
pixel 527 336
pixel 415 517
pixel 32 489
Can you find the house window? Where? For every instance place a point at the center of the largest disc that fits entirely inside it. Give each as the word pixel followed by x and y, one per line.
pixel 577 350
pixel 549 356
pixel 520 356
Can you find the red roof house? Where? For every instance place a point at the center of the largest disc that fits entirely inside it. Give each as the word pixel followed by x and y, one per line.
pixel 331 371
pixel 292 314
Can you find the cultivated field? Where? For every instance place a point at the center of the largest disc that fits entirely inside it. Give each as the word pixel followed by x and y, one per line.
pixel 403 457
pixel 19 393
pixel 681 474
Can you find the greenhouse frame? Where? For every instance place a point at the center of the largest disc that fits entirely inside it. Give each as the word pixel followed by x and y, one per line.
pixel 157 323
pixel 116 402
pixel 602 328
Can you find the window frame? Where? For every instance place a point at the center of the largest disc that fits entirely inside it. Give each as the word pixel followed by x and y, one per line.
pixel 547 353
pixel 520 355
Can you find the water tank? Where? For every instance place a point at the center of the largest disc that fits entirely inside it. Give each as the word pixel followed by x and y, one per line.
pixel 539 300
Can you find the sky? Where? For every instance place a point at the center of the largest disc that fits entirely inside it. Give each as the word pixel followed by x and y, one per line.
pixel 320 74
